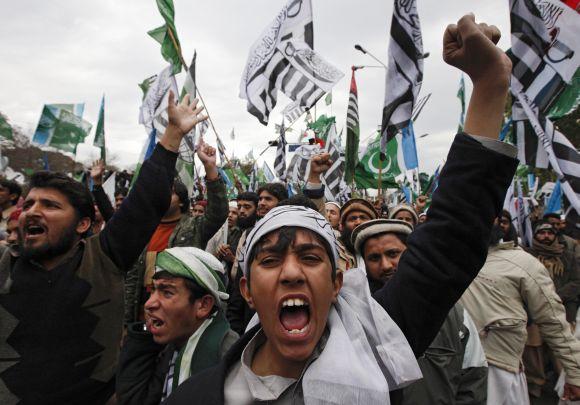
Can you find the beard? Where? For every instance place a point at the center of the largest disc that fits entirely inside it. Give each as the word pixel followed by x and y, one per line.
pixel 64 243
pixel 345 238
pixel 247 222
pixel 496 235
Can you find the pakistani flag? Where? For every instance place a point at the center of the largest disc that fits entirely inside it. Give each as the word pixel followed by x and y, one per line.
pixel 367 171
pixel 5 128
pixel 322 126
pixel 166 35
pixel 61 126
pixel 185 172
pixel 100 131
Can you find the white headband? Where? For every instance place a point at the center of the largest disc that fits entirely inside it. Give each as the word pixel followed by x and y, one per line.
pixel 288 215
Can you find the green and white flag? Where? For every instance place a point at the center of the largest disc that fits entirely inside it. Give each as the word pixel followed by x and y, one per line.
pixel 5 128
pixel 166 35
pixel 189 85
pixel 99 140
pixel 352 132
pixel 146 84
pixel 61 126
pixel 367 170
pixel 185 172
pixel 328 98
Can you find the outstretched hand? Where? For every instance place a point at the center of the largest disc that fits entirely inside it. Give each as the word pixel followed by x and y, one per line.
pixel 182 118
pixel 471 47
pixel 97 172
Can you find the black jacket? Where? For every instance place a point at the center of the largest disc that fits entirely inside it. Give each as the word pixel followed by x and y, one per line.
pixel 442 258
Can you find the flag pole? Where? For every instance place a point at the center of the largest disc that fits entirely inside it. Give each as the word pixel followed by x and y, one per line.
pixel 170 31
pixel 380 182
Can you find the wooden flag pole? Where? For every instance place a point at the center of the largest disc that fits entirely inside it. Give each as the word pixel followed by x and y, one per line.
pixel 380 181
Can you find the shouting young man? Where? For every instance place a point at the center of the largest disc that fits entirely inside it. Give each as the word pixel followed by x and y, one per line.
pixel 317 342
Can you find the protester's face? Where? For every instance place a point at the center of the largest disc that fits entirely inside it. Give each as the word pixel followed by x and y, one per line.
pixel 504 224
pixel 332 215
pixel 13 239
pixel 119 198
pixel 381 256
pixel 198 210
pixel 557 223
pixel 49 224
pixel 354 219
pixel 169 314
pixel 233 217
pixel 406 216
pixel 545 236
pixel 5 196
pixel 246 209
pixel 265 203
pixel 292 292
pixel 422 219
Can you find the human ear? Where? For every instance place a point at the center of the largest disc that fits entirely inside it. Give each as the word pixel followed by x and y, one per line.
pixel 245 291
pixel 83 225
pixel 206 304
pixel 337 285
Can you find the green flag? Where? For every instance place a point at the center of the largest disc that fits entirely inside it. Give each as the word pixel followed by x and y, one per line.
pixel 166 35
pixel 5 128
pixel 367 171
pixel 569 100
pixel 100 131
pixel 145 84
pixel 328 99
pixel 69 131
pixel 185 173
pixel 321 126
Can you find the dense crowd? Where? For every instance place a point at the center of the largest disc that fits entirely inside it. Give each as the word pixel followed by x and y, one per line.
pixel 289 300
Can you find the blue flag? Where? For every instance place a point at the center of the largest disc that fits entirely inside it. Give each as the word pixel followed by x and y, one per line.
pixel 409 147
pixel 555 201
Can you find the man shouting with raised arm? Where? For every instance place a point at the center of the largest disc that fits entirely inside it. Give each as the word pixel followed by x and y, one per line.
pixel 61 301
pixel 321 341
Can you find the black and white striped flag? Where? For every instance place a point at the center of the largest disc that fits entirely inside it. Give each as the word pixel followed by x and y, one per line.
pixel 545 54
pixel 299 167
pixel 280 161
pixel 333 178
pixel 283 59
pixel 405 70
pixel 562 156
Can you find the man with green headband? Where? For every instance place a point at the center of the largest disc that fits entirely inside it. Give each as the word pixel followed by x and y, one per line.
pixel 185 330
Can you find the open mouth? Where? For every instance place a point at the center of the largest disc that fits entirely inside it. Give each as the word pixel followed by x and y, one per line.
pixel 154 324
pixel 295 315
pixel 34 230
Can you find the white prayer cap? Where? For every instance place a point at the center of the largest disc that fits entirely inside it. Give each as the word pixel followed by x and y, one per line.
pixel 197 265
pixel 288 215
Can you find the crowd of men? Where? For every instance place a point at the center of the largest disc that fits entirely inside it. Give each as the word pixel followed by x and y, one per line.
pixel 289 300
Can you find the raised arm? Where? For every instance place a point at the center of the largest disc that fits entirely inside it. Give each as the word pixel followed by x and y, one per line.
pixel 445 254
pixel 217 201
pixel 132 226
pixel 99 194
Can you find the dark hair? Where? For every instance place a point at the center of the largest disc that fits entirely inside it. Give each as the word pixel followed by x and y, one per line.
pixel 551 215
pixel 287 235
pixel 300 200
pixel 278 190
pixel 195 290
pixel 248 196
pixel 76 193
pixel 183 195
pixel 13 188
pixel 122 192
pixel 506 214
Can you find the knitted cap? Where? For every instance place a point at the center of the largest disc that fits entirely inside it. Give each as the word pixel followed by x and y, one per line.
pixel 357 204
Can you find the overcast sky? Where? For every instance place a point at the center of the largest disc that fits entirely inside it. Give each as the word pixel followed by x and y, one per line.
pixel 65 51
